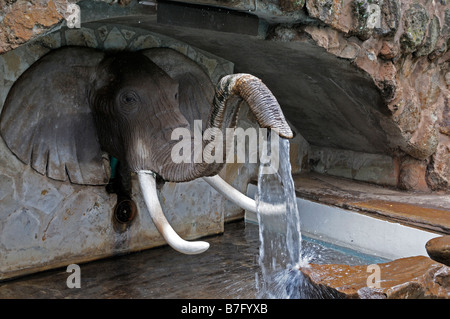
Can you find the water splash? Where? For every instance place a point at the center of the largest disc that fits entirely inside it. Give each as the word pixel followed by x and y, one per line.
pixel 279 228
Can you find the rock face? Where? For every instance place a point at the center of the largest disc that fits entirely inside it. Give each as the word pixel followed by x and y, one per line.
pixel 406 278
pixel 24 20
pixel 439 249
pixel 403 45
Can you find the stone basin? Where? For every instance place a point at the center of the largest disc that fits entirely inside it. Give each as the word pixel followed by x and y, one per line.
pixel 409 277
pixel 403 228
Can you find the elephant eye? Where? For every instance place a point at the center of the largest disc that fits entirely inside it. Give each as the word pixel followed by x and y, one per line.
pixel 129 98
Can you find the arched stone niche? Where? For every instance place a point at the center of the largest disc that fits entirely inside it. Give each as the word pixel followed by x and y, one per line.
pixel 46 223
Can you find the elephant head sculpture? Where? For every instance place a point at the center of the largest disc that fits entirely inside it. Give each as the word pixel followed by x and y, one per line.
pixel 75 103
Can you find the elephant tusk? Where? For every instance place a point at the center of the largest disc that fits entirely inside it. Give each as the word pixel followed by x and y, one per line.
pixel 242 200
pixel 231 193
pixel 147 183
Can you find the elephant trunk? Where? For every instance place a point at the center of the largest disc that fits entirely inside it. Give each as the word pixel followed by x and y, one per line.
pixel 229 92
pixel 260 99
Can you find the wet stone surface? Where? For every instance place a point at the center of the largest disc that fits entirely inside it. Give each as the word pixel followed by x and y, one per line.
pixel 439 249
pixel 227 270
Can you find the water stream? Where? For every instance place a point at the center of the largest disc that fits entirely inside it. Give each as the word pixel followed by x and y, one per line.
pixel 280 252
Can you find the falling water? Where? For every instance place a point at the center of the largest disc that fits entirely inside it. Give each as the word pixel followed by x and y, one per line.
pixel 279 225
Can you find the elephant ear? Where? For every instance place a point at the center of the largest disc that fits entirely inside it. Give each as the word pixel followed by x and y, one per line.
pixel 46 120
pixel 195 89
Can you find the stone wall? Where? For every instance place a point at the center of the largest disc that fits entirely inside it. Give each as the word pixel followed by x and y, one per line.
pixel 24 20
pixel 403 45
pixel 21 21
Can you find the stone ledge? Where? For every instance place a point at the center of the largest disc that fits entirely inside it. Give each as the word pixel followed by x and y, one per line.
pixel 439 249
pixel 428 211
pixel 406 278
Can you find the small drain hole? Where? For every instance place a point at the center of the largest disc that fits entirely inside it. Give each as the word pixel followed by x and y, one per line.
pixel 125 211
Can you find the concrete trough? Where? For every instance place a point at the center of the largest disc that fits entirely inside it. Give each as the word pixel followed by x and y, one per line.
pixel 357 231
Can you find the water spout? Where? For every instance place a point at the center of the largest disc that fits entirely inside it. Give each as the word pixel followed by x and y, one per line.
pixel 280 234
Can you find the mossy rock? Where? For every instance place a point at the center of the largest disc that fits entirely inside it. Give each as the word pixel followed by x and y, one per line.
pixel 416 21
pixel 376 16
pixel 431 39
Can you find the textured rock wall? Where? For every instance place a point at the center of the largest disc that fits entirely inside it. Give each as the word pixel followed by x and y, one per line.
pixel 403 45
pixel 21 20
